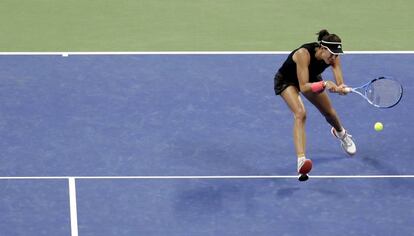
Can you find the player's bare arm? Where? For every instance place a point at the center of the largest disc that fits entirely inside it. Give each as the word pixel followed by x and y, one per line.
pixel 302 59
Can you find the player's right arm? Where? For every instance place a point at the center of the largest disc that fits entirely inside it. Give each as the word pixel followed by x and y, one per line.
pixel 302 59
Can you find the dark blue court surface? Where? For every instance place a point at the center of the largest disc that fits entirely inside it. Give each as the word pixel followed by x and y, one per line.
pixel 195 115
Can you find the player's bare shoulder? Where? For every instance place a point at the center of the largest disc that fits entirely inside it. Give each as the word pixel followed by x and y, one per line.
pixel 301 56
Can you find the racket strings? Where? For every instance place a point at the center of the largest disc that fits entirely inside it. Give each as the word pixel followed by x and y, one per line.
pixel 384 92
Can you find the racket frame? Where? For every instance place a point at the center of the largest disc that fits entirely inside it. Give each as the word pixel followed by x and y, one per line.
pixel 362 91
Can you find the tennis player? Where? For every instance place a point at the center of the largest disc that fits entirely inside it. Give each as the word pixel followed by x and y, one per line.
pixel 301 73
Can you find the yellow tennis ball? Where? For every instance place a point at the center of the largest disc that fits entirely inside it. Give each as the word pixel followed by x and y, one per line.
pixel 378 126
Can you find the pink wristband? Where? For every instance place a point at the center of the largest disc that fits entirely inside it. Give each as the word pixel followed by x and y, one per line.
pixel 318 87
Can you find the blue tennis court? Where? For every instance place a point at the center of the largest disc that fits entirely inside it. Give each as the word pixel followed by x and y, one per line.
pixel 195 144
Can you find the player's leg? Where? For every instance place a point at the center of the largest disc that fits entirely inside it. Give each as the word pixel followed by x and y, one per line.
pixel 324 105
pixel 292 98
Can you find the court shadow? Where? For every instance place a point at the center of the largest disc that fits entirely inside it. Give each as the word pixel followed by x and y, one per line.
pixel 324 156
pixel 375 163
pixel 287 192
pixel 327 159
pixel 211 198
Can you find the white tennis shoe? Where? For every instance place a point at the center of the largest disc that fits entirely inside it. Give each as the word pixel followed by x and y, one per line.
pixel 347 143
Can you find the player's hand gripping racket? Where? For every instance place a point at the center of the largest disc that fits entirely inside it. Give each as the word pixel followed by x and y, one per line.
pixel 383 92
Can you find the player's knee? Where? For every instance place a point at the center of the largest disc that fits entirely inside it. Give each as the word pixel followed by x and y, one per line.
pixel 300 115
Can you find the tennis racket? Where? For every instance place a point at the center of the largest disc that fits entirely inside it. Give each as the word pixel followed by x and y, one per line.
pixel 383 92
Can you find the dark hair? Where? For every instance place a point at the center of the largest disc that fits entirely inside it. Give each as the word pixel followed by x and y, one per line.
pixel 326 36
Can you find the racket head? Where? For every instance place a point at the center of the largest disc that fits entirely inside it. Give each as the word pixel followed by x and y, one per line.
pixel 383 92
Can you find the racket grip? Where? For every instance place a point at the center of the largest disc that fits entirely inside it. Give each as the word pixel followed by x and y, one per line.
pixel 348 90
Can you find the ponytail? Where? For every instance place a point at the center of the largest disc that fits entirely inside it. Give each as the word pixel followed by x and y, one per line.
pixel 321 34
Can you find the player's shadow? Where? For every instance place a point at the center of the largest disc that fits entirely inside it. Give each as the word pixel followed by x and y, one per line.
pixel 287 192
pixel 376 164
pixel 214 197
pixel 324 156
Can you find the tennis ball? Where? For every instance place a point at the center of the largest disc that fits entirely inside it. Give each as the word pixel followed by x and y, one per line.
pixel 378 126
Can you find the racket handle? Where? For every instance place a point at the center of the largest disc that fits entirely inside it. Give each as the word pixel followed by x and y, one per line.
pixel 348 90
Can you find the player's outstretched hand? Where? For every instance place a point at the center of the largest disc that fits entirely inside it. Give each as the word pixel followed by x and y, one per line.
pixel 342 89
pixel 333 88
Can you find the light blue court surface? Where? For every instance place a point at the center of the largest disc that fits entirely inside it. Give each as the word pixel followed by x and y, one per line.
pixel 195 115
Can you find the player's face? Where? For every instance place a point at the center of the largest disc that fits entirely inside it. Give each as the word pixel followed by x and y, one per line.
pixel 328 57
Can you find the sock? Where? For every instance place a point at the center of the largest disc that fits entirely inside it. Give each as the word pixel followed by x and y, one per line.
pixel 301 158
pixel 340 134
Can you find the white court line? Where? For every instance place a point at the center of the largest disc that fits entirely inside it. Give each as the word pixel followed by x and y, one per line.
pixel 205 177
pixel 182 53
pixel 73 207
pixel 72 184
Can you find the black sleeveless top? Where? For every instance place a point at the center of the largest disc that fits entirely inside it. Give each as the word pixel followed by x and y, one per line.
pixel 316 67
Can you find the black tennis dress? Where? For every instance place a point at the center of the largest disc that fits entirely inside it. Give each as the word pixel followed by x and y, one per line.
pixel 287 75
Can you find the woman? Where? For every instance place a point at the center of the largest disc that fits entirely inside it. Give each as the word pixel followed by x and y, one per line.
pixel 301 73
